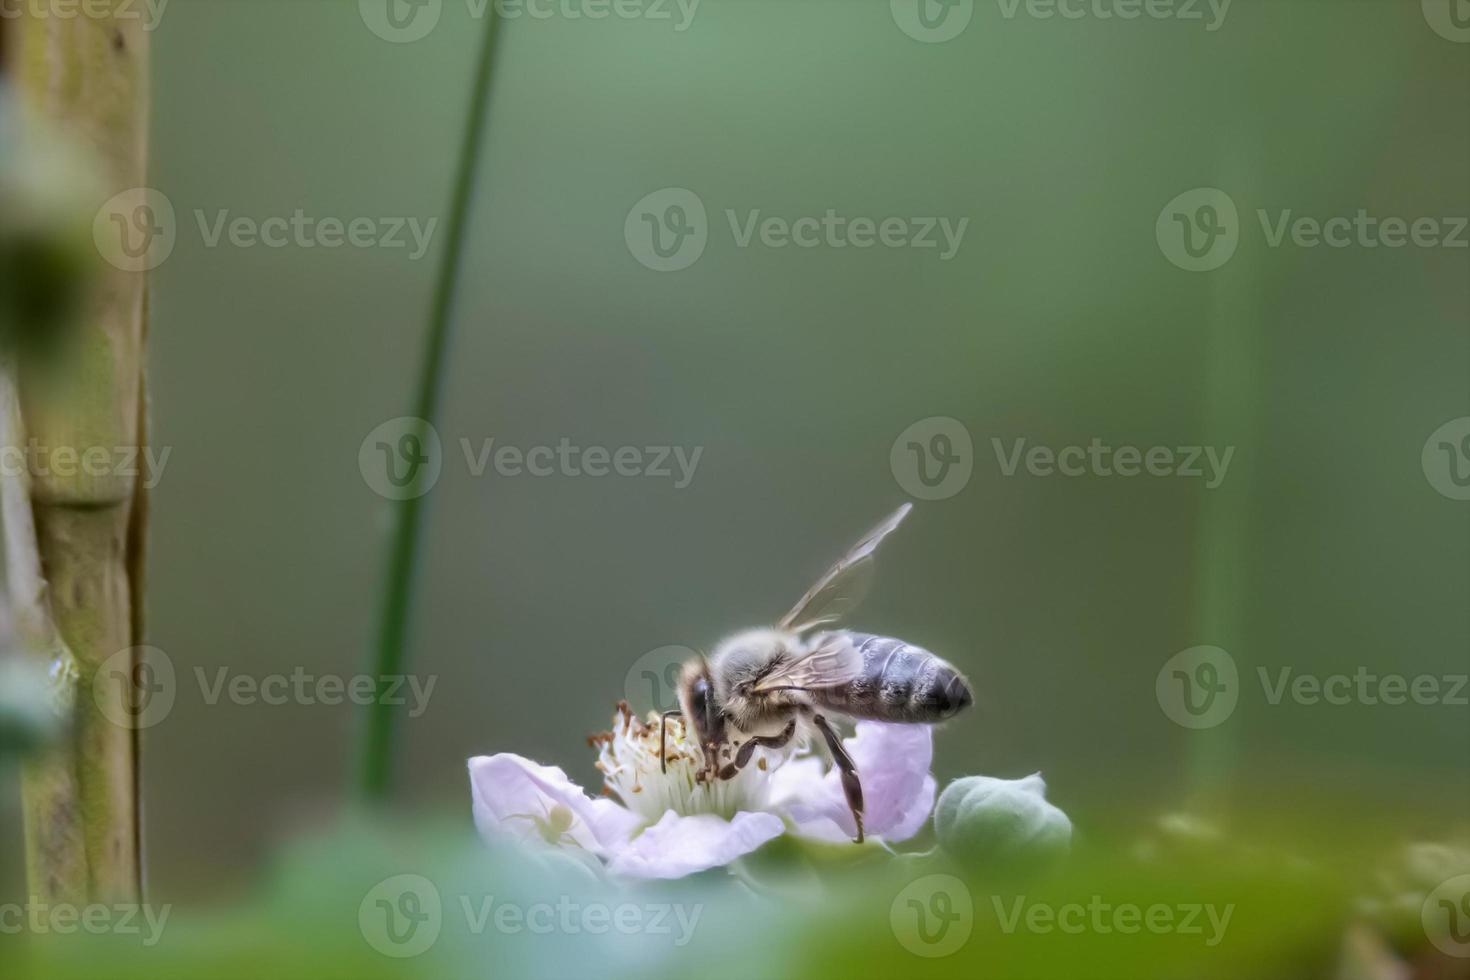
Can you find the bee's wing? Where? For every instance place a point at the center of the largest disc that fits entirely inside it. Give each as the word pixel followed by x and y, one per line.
pixel 834 661
pixel 845 583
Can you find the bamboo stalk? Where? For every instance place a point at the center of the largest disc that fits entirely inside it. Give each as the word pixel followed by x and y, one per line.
pixel 56 865
pixel 87 76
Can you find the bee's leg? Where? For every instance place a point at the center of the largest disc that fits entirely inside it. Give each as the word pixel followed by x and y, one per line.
pixel 747 749
pixel 850 784
pixel 663 725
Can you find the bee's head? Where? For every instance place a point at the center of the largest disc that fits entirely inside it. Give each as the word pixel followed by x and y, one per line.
pixel 697 702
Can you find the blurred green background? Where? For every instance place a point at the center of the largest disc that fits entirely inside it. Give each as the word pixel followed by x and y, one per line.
pixel 1059 320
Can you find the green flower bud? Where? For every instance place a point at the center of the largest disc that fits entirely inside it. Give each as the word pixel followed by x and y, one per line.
pixel 1001 824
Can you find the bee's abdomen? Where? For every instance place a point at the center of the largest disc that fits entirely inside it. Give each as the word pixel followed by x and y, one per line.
pixel 899 682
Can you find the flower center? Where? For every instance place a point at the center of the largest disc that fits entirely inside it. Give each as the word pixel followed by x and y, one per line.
pixel 628 757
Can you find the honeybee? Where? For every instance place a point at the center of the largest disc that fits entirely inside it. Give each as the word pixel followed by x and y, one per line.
pixel 760 685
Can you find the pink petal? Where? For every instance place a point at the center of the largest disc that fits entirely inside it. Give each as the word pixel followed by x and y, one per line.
pixel 898 792
pixel 507 789
pixel 677 846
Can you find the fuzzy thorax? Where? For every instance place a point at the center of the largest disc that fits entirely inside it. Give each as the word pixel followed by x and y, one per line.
pixel 743 660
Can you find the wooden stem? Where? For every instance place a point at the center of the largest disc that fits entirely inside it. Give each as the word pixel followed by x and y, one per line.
pixel 87 76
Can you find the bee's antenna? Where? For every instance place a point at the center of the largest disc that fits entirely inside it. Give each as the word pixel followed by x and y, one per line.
pixel 663 724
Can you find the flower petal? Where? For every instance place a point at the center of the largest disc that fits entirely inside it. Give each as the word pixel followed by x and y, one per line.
pixel 513 795
pixel 677 846
pixel 898 792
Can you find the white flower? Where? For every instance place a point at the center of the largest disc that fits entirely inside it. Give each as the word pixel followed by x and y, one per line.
pixel 667 824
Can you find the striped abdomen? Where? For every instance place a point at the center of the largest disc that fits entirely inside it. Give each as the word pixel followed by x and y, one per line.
pixel 899 682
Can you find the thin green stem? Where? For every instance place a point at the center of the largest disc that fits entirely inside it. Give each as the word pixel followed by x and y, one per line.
pixel 390 653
